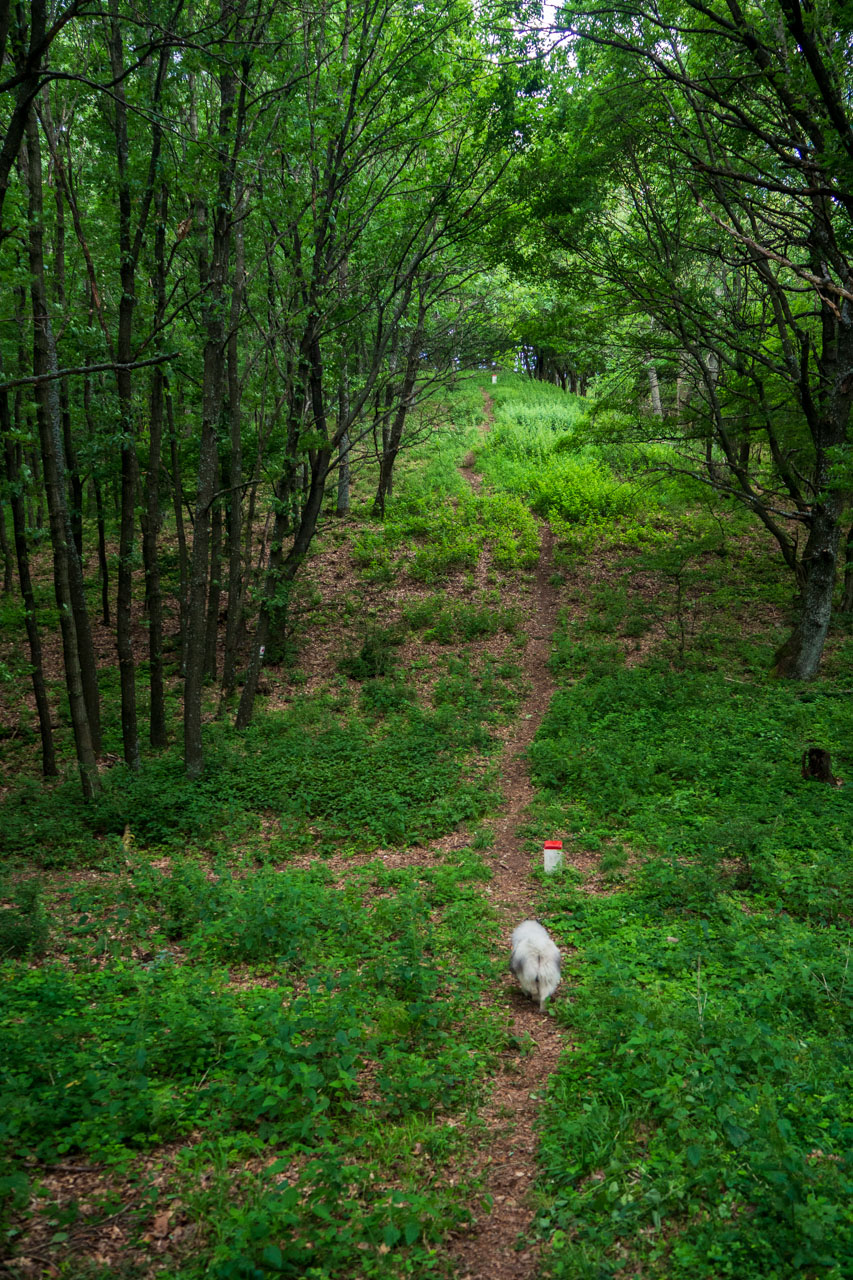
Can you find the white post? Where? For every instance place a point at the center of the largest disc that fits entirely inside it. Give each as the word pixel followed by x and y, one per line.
pixel 553 856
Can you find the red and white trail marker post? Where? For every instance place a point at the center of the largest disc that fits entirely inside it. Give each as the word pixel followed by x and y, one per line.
pixel 553 856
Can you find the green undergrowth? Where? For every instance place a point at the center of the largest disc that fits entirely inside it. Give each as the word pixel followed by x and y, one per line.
pixel 435 524
pixel 310 1096
pixel 532 452
pixel 389 770
pixel 540 411
pixel 704 770
pixel 431 537
pixel 287 1057
pixel 451 621
pixel 300 1046
pixel 24 928
pixel 702 1126
pixel 692 586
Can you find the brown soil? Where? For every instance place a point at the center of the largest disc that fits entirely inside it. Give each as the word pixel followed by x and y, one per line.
pixel 497 1247
pixel 497 1244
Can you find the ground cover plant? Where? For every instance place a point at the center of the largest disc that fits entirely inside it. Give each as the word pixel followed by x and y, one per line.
pixel 702 1123
pixel 430 537
pixel 330 775
pixel 109 1061
pixel 212 999
pixel 533 451
pixel 258 1038
pixel 273 605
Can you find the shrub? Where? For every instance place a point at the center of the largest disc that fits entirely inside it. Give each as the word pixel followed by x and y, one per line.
pixel 24 928
pixel 376 655
pixel 449 622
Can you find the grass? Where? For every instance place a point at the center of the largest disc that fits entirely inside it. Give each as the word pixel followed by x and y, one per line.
pixel 390 771
pixel 531 452
pixel 107 1062
pixel 449 621
pixel 714 788
pixel 188 985
pixel 246 1023
pixel 431 538
pixel 702 1125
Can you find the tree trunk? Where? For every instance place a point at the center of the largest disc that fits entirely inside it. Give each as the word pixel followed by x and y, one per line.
pixel 654 387
pixel 8 575
pixel 151 558
pixel 342 502
pixel 34 511
pixel 248 575
pixel 19 525
pixel 799 658
pixel 103 564
pixel 35 515
pixel 124 354
pixel 74 481
pixel 389 455
pixel 234 502
pixel 342 505
pixel 214 593
pixel 282 569
pixel 213 276
pixel 847 598
pixel 828 417
pixel 180 532
pixel 817 766
pixel 205 489
pixel 280 574
pixel 153 592
pixel 124 597
pixel 48 413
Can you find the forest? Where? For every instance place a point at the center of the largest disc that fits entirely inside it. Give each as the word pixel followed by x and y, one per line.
pixel 424 436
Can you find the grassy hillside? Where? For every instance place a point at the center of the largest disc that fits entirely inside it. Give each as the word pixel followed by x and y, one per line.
pixel 246 1026
pixel 701 1124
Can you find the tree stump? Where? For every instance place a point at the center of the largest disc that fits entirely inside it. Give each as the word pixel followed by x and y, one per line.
pixel 817 764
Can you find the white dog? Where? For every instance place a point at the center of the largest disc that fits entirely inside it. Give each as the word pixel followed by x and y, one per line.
pixel 535 961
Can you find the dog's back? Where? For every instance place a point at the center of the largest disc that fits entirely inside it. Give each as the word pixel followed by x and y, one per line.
pixel 535 961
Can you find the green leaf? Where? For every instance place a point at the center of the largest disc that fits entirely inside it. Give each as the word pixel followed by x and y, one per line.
pixel 735 1134
pixel 272 1257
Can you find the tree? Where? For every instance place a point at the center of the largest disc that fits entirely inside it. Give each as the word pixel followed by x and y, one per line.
pixel 721 210
pixel 389 166
pixel 264 226
pixel 68 578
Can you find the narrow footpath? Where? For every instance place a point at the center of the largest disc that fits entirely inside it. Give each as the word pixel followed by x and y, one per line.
pixel 495 1247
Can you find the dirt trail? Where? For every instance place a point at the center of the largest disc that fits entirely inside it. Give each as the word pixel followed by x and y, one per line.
pixel 494 1247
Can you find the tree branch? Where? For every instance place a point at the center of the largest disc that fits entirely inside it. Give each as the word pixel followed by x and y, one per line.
pixel 106 367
